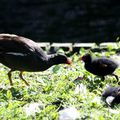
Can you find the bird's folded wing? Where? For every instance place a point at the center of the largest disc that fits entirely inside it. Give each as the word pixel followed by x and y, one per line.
pixel 14 43
pixel 105 63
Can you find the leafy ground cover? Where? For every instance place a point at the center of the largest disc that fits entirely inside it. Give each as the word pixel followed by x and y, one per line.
pixel 56 88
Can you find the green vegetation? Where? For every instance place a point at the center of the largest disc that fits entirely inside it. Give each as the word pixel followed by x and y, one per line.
pixel 58 82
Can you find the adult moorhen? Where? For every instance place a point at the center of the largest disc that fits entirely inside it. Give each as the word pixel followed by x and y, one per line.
pixel 99 66
pixel 22 54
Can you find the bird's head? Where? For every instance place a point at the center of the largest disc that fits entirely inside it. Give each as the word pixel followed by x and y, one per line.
pixel 60 59
pixel 63 59
pixel 86 58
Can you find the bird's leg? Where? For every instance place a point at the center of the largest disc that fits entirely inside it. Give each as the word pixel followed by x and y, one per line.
pixel 21 72
pixel 9 76
pixel 115 76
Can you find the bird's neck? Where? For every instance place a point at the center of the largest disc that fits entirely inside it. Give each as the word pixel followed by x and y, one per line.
pixel 52 60
pixel 88 63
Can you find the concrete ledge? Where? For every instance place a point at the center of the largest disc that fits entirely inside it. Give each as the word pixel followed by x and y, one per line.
pixel 107 44
pixel 44 45
pixel 52 48
pixel 84 45
pixel 64 46
pixel 77 46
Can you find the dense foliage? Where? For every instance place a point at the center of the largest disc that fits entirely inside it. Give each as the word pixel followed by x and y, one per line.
pixel 56 88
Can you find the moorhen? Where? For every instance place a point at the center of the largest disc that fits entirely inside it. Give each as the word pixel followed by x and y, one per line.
pixel 99 66
pixel 23 54
pixel 111 95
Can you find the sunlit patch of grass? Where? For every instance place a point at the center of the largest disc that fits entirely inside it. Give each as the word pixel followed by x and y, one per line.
pixel 56 88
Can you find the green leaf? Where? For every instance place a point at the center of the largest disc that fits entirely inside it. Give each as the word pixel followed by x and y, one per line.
pixel 56 69
pixel 9 94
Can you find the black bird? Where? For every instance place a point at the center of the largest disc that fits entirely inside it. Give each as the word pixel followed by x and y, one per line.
pixel 111 95
pixel 22 54
pixel 100 66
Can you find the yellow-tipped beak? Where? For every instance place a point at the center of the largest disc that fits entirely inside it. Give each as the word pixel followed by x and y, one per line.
pixel 69 61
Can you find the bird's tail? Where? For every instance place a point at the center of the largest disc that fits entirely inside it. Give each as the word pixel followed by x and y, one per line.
pixel 116 58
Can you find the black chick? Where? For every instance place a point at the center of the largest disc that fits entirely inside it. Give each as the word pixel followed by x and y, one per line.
pixel 100 66
pixel 112 95
pixel 22 54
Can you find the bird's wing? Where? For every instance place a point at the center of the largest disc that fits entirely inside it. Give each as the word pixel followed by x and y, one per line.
pixel 105 63
pixel 14 43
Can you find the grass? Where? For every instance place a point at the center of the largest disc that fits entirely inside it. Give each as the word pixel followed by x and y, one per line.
pixel 56 88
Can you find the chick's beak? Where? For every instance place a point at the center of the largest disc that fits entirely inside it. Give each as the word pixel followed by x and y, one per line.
pixel 69 61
